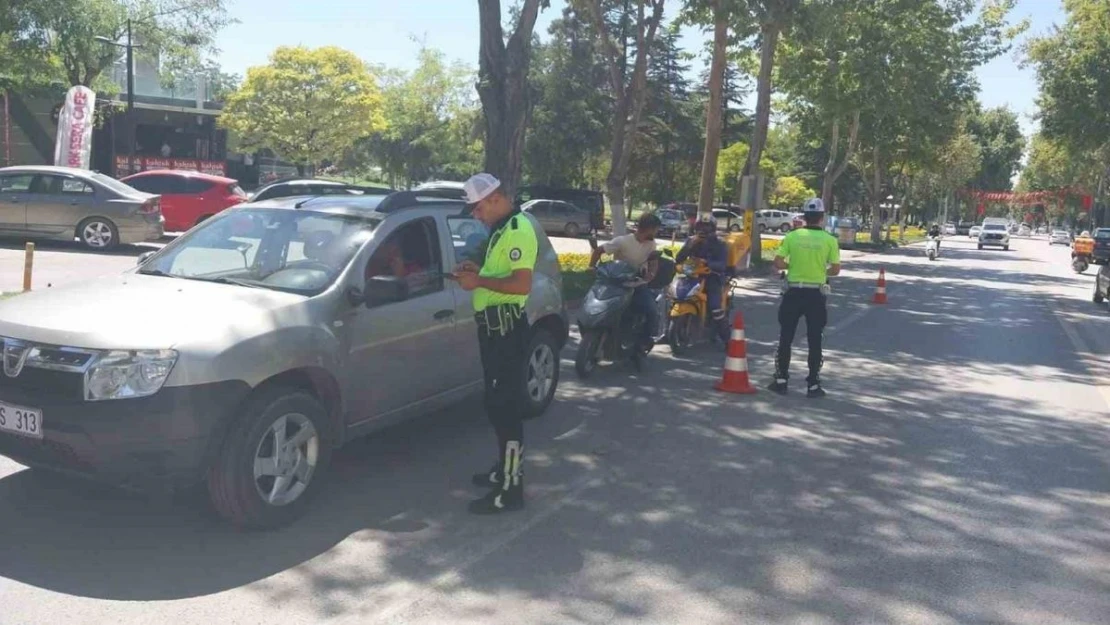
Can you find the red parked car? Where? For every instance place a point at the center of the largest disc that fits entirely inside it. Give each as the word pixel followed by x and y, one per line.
pixel 188 197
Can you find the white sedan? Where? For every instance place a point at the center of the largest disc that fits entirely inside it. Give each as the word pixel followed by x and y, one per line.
pixel 974 232
pixel 1059 236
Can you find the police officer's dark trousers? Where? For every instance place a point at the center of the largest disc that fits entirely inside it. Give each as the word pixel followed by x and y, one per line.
pixel 798 303
pixel 503 341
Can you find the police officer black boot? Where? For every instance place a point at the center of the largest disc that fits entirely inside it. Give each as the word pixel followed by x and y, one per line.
pixel 778 385
pixel 509 496
pixel 489 479
pixel 814 390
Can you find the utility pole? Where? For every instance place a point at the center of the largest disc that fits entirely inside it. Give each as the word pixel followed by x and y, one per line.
pixel 130 102
pixel 129 116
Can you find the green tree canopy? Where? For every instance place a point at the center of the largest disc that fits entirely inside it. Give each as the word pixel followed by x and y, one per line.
pixel 307 105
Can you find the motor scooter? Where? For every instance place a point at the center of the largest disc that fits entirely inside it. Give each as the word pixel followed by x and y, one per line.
pixel 932 248
pixel 609 326
pixel 688 319
pixel 1081 253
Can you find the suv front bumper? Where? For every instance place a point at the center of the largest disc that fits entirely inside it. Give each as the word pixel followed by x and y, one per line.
pixel 155 443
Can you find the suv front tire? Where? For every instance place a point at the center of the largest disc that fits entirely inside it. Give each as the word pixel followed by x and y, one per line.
pixel 272 460
pixel 541 372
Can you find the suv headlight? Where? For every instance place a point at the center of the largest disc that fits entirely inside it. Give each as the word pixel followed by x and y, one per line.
pixel 122 374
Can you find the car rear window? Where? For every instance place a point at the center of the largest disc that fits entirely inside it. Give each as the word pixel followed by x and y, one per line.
pixel 1102 233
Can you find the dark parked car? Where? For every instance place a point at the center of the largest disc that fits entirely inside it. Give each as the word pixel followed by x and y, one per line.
pixel 299 186
pixel 1101 255
pixel 559 218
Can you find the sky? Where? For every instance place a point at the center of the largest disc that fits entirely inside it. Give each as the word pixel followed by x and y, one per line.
pixel 388 32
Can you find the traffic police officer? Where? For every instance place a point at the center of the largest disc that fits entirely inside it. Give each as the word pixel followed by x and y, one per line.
pixel 809 255
pixel 501 287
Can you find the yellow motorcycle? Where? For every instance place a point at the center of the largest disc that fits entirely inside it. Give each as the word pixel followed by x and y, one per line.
pixel 688 320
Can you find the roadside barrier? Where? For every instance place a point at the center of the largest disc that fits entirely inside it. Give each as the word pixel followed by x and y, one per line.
pixel 735 379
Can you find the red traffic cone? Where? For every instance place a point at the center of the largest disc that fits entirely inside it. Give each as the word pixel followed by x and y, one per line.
pixel 880 288
pixel 735 378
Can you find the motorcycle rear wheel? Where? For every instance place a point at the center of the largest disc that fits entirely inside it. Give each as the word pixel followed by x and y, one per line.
pixel 585 360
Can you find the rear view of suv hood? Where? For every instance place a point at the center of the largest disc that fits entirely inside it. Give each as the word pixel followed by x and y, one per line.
pixel 134 311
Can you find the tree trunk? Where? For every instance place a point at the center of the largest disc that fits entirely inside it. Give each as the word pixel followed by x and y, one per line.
pixel 769 40
pixel 713 113
pixel 876 198
pixel 630 96
pixel 502 89
pixel 833 171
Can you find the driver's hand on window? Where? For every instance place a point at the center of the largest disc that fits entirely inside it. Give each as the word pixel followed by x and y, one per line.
pixel 467 266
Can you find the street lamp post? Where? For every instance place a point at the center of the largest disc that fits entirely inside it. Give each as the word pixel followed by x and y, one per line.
pixel 130 115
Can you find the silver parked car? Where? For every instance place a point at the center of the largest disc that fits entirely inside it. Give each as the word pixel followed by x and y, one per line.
pixel 272 333
pixel 561 218
pixel 47 202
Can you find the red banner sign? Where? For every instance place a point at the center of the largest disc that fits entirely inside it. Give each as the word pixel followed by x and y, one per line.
pixel 146 163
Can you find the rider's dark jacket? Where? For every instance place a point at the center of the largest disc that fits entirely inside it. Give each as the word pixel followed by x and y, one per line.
pixel 712 250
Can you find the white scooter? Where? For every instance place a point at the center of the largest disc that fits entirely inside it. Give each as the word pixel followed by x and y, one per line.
pixel 932 248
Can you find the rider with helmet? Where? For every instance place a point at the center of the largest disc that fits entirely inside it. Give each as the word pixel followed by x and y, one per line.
pixel 704 245
pixel 934 233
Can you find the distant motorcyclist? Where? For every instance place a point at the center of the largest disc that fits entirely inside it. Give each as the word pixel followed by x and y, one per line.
pixel 705 246
pixel 934 233
pixel 638 249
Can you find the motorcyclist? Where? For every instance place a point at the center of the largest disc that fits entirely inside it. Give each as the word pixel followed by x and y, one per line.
pixel 705 246
pixel 638 249
pixel 934 233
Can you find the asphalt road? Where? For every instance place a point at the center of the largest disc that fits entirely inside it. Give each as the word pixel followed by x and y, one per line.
pixel 958 473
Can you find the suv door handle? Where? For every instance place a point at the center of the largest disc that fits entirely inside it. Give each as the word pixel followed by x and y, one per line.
pixel 444 314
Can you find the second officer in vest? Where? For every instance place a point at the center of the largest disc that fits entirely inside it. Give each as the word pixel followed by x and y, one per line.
pixel 809 255
pixel 501 287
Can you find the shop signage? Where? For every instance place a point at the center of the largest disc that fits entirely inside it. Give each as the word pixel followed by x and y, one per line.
pixel 145 163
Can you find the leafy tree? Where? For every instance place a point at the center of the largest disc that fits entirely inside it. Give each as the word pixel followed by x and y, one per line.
pixel 1001 145
pixel 667 155
pixel 790 192
pixel 307 105
pixel 1073 68
pixel 430 117
pixel 570 121
pixel 27 61
pixel 638 22
pixel 502 87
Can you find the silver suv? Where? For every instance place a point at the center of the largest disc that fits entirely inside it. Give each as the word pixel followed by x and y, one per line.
pixel 244 352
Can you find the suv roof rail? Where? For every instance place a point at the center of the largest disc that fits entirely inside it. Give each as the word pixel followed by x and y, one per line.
pixel 408 199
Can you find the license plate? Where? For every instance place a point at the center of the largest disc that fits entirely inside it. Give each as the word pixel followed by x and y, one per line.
pixel 20 420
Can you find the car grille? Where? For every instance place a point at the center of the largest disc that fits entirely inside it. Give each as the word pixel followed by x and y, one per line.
pixel 62 385
pixel 992 236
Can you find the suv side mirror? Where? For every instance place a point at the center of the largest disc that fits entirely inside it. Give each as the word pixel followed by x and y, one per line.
pixel 385 290
pixel 143 257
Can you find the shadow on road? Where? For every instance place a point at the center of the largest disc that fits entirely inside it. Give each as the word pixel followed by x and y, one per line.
pixel 939 483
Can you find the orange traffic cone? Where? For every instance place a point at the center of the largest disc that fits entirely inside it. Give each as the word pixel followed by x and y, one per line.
pixel 880 288
pixel 735 379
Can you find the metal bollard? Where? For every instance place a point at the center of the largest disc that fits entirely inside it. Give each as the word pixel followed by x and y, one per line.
pixel 28 264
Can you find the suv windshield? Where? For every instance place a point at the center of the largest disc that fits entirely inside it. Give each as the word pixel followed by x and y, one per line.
pixel 994 227
pixel 285 250
pixel 1102 233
